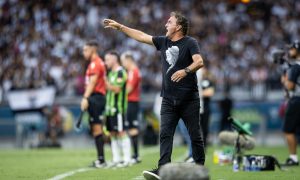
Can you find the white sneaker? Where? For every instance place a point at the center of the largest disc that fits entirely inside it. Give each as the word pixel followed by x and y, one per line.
pixel 123 164
pixel 112 164
pixel 98 164
pixel 135 160
pixel 151 175
pixel 190 160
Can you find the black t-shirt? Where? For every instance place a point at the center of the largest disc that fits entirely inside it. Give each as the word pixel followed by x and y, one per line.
pixel 175 56
pixel 294 76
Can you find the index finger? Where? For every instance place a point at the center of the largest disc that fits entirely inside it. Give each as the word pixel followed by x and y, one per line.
pixel 106 21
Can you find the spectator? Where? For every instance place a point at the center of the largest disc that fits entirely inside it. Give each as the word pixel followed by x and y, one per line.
pixel 54 128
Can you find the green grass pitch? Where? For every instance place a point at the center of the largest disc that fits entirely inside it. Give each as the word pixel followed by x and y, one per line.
pixel 48 163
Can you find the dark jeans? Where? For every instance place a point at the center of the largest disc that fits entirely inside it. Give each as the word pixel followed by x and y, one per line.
pixel 205 125
pixel 171 112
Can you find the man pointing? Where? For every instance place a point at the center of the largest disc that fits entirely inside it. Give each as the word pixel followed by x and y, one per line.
pixel 180 58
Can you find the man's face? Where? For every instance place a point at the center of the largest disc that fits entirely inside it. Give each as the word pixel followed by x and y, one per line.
pixel 171 26
pixel 109 60
pixel 124 62
pixel 87 52
pixel 292 53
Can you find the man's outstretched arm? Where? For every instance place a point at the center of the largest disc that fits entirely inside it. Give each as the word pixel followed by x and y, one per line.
pixel 133 33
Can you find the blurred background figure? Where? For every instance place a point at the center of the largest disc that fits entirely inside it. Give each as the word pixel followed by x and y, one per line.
pixel 93 100
pixel 208 90
pixel 54 128
pixel 116 108
pixel 225 106
pixel 133 87
pixel 187 140
pixel 291 81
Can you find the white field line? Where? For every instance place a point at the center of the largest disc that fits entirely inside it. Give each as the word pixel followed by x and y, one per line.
pixel 139 178
pixel 80 170
pixel 70 173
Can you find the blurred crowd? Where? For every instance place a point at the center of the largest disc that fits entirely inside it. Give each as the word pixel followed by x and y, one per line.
pixel 41 41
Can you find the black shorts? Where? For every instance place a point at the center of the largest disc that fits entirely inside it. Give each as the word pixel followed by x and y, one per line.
pixel 96 108
pixel 115 123
pixel 132 115
pixel 292 116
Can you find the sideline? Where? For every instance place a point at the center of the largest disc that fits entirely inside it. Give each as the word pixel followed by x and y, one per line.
pixel 80 170
pixel 70 173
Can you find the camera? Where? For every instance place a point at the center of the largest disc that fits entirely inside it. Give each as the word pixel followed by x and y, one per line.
pixel 279 57
pixel 282 57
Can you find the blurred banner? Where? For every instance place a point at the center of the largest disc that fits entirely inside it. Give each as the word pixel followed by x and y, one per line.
pixel 261 115
pixel 31 99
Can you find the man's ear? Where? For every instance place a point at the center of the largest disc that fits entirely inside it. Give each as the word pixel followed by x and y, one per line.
pixel 178 27
pixel 94 50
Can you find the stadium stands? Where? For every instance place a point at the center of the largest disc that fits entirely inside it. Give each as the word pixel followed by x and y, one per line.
pixel 41 40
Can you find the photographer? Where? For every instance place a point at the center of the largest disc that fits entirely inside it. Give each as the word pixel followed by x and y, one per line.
pixel 291 81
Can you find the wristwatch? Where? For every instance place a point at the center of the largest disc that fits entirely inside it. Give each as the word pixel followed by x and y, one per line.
pixel 187 70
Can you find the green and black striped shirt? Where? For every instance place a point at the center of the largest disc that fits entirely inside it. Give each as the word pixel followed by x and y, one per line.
pixel 117 102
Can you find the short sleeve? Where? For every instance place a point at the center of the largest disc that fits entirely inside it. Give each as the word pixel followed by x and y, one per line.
pixel 206 84
pixel 293 73
pixel 132 78
pixel 194 47
pixel 158 41
pixel 94 68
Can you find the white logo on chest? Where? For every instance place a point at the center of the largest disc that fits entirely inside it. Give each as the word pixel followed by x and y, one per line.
pixel 172 54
